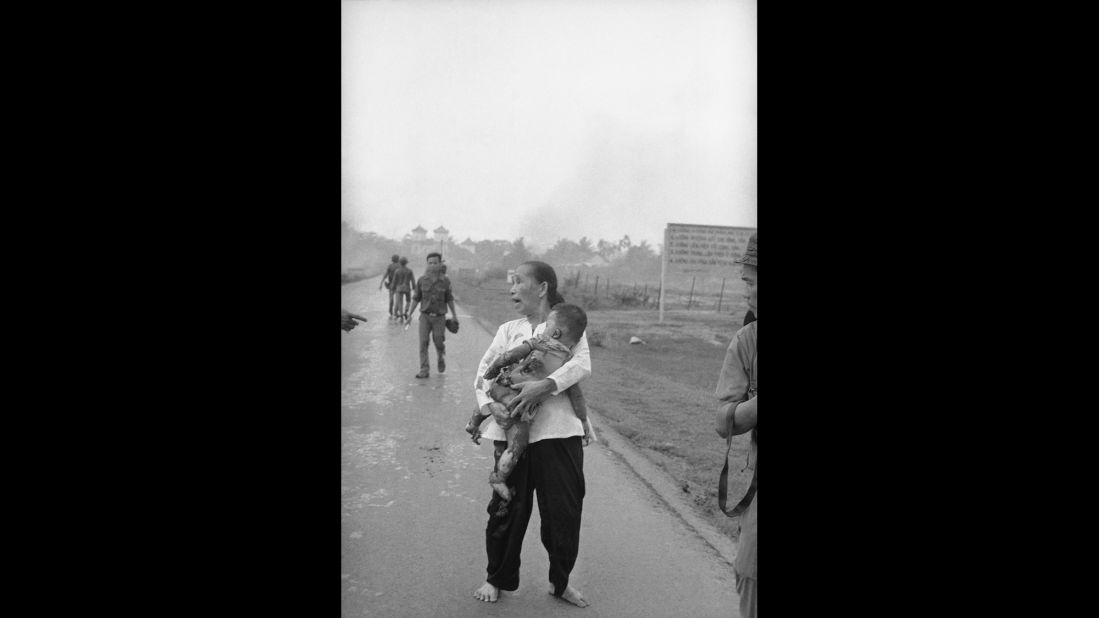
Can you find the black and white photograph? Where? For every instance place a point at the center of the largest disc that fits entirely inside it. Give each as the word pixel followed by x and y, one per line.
pixel 548 308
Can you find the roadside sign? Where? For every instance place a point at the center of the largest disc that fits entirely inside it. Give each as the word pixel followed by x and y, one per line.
pixel 701 250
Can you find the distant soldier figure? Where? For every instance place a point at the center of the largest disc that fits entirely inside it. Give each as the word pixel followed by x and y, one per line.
pixel 401 286
pixel 388 279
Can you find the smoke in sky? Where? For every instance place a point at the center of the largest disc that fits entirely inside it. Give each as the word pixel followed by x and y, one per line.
pixel 634 182
pixel 548 119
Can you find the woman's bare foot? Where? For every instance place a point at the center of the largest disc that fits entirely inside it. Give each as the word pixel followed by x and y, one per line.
pixel 572 595
pixel 487 593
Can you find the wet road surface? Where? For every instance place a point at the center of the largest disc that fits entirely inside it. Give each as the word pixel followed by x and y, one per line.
pixel 414 492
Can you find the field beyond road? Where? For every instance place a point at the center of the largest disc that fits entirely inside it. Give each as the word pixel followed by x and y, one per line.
pixel 660 394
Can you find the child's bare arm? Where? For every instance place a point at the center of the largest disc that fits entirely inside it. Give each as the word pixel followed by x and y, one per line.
pixel 510 357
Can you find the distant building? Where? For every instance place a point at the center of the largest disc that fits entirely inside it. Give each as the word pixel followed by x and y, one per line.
pixel 469 245
pixel 420 245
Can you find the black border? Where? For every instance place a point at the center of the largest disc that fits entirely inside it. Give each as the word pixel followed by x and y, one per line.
pixel 222 136
pixel 225 497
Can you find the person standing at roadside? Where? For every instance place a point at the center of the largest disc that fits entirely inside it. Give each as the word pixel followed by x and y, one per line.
pixel 401 286
pixel 433 295
pixel 387 280
pixel 736 414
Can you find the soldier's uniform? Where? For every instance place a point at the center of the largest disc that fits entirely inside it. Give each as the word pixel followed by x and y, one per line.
pixel 401 287
pixel 387 280
pixel 433 292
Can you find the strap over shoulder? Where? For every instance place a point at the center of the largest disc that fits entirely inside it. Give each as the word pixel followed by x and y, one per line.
pixel 723 482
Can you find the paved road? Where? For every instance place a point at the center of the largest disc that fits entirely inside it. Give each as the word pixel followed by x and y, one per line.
pixel 414 491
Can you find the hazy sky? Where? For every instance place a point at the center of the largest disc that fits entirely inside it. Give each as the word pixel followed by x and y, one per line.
pixel 548 119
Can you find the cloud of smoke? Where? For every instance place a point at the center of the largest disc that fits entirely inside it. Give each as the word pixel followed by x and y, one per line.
pixel 634 181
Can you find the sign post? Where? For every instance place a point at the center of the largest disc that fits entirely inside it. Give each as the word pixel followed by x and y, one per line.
pixel 706 250
pixel 663 269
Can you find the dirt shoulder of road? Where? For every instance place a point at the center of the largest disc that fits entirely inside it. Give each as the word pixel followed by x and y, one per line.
pixel 658 395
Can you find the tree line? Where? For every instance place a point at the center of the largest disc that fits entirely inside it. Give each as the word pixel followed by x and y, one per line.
pixel 622 258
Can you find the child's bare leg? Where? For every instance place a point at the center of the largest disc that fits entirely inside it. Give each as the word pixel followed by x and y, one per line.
pixel 504 420
pixel 518 435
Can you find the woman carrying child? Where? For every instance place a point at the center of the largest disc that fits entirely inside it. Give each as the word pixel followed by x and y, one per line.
pixel 552 466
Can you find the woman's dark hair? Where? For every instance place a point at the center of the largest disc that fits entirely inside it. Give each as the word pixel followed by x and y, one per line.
pixel 544 273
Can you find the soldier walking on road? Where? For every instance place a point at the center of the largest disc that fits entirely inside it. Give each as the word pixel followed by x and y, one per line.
pixel 432 293
pixel 387 281
pixel 400 286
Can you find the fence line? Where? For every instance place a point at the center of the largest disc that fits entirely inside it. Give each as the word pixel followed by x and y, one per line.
pixel 721 295
pixel 696 294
